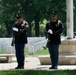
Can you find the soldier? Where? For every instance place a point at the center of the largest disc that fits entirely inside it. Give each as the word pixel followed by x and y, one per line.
pixel 54 29
pixel 20 39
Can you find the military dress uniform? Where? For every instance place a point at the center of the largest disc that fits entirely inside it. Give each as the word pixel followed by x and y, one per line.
pixel 54 40
pixel 20 39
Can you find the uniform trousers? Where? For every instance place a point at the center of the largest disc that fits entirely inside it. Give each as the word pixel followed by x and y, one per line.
pixel 54 54
pixel 20 54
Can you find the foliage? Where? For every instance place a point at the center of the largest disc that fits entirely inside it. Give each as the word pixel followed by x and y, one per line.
pixel 34 11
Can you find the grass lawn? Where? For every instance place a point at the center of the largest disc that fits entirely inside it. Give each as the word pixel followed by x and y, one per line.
pixel 40 52
pixel 3 52
pixel 38 72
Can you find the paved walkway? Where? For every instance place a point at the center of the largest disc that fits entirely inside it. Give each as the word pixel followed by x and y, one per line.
pixel 33 63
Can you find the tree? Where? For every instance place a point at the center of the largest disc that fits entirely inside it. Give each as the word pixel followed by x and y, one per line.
pixel 32 10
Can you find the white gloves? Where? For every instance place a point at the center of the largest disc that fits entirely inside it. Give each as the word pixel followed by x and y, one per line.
pixel 50 31
pixel 15 29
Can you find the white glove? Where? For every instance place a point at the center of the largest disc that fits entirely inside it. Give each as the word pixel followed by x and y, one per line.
pixel 15 29
pixel 50 31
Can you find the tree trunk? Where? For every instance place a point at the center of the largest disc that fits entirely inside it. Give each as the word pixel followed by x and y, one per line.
pixel 37 25
pixel 29 31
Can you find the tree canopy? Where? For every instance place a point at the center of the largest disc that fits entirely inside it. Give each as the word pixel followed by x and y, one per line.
pixel 34 11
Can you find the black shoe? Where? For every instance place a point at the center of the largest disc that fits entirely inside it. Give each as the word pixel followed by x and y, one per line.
pixel 19 68
pixel 53 68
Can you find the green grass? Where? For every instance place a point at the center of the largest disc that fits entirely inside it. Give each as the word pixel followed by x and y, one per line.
pixel 26 52
pixel 38 72
pixel 40 52
pixel 2 52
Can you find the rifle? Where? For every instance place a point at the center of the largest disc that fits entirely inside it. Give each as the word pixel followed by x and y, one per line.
pixel 13 39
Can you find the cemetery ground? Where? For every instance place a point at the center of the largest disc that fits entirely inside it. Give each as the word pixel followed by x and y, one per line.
pixel 33 66
pixel 40 52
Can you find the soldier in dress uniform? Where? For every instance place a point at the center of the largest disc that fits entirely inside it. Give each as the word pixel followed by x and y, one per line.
pixel 54 29
pixel 20 29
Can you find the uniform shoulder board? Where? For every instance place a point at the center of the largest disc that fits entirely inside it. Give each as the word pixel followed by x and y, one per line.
pixel 25 23
pixel 59 22
pixel 16 22
pixel 48 22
